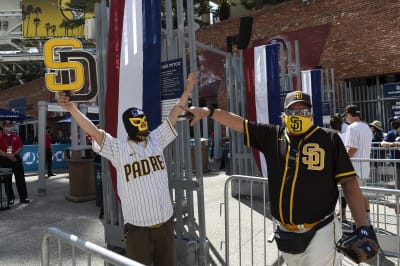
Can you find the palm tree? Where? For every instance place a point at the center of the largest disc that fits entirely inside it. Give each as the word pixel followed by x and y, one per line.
pixel 36 22
pixel 26 14
pixel 53 29
pixel 48 28
pixel 201 7
pixel 66 25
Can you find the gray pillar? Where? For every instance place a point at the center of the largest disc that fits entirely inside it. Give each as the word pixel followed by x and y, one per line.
pixel 74 133
pixel 82 134
pixel 41 146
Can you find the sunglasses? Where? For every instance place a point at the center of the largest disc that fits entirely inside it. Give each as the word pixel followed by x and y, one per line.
pixel 299 112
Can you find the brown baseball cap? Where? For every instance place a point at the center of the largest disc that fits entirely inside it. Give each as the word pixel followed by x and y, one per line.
pixel 352 109
pixel 296 97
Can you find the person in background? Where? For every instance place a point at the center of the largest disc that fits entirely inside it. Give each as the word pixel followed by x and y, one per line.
pixel 49 153
pixel 60 138
pixel 391 140
pixel 377 138
pixel 142 177
pixel 10 149
pixel 377 131
pixel 305 164
pixel 336 123
pixel 358 144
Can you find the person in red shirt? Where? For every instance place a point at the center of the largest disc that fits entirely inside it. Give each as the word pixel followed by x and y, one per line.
pixel 10 148
pixel 49 153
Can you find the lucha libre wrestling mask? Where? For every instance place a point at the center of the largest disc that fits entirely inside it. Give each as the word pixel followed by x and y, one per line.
pixel 135 123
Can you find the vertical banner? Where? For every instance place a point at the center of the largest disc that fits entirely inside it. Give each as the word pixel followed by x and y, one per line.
pixel 262 89
pixel 312 84
pixel 133 67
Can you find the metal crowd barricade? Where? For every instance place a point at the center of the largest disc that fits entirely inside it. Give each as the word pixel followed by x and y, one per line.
pixel 384 172
pixel 249 225
pixel 88 248
pixel 384 216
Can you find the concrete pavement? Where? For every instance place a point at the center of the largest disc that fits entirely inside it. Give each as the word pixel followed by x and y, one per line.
pixel 24 225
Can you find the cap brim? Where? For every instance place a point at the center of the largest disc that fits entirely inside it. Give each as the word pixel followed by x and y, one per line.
pixel 298 101
pixel 381 129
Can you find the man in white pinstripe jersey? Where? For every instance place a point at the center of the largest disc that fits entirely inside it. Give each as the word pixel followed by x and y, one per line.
pixel 142 178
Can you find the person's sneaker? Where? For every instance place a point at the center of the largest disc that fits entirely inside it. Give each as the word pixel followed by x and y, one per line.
pixel 51 174
pixel 25 201
pixel 10 202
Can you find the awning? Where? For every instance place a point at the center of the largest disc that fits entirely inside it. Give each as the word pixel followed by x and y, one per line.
pixel 91 116
pixel 10 115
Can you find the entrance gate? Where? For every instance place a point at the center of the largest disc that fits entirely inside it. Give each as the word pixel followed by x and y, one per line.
pixel 186 189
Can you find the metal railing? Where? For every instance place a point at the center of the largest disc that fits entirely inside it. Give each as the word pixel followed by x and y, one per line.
pixel 249 225
pixel 87 247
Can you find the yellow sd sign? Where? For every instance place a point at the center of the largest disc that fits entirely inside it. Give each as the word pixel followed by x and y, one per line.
pixel 71 69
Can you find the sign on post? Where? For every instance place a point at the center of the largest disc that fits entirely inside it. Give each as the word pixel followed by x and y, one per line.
pixel 70 69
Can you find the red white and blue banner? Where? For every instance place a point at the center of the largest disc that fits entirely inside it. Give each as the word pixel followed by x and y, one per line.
pixel 261 69
pixel 311 81
pixel 133 67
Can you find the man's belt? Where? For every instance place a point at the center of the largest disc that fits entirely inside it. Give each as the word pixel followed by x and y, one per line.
pixel 320 224
pixel 155 226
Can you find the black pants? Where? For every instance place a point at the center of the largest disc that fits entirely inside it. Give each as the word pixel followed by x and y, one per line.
pixel 49 161
pixel 18 170
pixel 151 246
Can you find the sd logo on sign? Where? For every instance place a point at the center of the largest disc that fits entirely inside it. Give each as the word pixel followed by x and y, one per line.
pixel 71 69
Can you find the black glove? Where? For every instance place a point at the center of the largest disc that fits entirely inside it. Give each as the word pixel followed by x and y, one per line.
pixel 360 245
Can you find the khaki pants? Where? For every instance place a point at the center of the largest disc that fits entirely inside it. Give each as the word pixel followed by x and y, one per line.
pixel 151 246
pixel 322 249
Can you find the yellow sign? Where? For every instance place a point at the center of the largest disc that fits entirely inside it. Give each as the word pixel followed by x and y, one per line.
pixel 70 68
pixel 54 18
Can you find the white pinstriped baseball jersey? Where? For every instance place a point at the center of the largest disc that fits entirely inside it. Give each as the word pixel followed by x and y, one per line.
pixel 142 178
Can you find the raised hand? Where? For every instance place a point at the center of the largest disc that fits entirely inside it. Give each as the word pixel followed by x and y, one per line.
pixel 191 80
pixel 63 101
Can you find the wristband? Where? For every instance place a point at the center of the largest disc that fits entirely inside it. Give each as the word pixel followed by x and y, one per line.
pixel 211 108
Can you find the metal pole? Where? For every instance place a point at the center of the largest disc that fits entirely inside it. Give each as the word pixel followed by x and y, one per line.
pixel 82 134
pixel 297 55
pixel 74 133
pixel 41 145
pixel 203 252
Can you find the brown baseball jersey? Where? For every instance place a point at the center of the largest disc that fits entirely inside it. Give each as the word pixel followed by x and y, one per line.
pixel 303 171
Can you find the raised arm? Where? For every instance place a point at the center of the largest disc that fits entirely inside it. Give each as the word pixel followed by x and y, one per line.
pixel 80 118
pixel 176 110
pixel 225 118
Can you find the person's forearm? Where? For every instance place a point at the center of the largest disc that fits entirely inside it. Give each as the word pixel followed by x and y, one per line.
pixel 228 119
pixel 351 151
pixel 18 151
pixel 86 125
pixel 355 200
pixel 176 110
